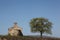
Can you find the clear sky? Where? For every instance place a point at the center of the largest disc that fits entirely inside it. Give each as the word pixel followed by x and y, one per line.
pixel 22 11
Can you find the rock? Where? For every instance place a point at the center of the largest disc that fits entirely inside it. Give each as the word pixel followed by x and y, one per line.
pixel 15 30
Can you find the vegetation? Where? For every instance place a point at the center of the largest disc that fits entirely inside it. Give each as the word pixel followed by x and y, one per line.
pixel 6 37
pixel 41 25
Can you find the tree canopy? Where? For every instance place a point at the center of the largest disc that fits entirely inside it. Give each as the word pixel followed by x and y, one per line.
pixel 41 25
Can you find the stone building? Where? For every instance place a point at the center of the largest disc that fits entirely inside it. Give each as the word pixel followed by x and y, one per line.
pixel 15 30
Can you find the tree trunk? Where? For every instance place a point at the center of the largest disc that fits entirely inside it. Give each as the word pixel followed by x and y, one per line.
pixel 41 34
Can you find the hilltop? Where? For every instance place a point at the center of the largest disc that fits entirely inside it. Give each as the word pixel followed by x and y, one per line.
pixel 26 38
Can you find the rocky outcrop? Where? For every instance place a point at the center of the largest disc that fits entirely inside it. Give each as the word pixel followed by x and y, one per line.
pixel 15 30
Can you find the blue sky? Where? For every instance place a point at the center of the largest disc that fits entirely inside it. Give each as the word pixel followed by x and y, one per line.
pixel 22 11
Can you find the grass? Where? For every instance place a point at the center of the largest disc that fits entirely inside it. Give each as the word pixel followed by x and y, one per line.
pixel 26 38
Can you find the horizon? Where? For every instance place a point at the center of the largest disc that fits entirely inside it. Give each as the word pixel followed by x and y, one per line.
pixel 22 11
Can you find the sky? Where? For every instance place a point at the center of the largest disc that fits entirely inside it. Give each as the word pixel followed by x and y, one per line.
pixel 22 11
